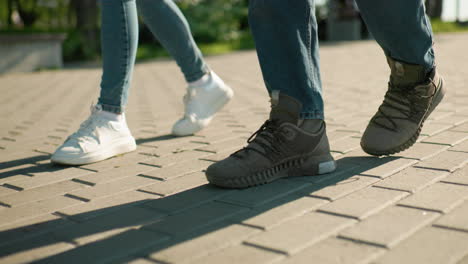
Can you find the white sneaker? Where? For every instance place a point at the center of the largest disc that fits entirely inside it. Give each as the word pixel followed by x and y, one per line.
pixel 201 103
pixel 98 138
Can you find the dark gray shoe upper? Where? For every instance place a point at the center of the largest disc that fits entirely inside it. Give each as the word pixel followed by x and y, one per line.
pixel 411 96
pixel 278 141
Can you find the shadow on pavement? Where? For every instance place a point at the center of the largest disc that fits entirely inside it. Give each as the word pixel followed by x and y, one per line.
pixel 153 225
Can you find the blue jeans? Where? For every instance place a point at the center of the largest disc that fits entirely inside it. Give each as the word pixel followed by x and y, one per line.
pixel 285 33
pixel 119 37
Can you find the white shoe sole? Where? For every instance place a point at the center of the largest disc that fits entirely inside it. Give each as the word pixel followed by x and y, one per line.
pixel 118 147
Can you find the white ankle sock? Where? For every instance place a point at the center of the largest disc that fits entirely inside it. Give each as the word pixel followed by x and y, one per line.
pixel 205 79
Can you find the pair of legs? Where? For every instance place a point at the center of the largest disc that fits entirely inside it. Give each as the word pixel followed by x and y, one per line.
pixel 293 141
pixel 105 133
pixel 285 33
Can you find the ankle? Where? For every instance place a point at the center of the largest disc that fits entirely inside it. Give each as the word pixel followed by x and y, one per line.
pixel 111 116
pixel 204 80
pixel 311 125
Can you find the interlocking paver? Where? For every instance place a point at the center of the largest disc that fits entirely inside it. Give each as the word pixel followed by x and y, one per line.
pixel 299 233
pixel 459 176
pixel 450 138
pixel 278 212
pixel 240 254
pixel 334 251
pixel 363 203
pixel 379 230
pixel 412 179
pixel 430 245
pixel 422 151
pixel 447 160
pixel 199 217
pixel 176 185
pixel 441 197
pixel 190 250
pixel 344 187
pixel 457 219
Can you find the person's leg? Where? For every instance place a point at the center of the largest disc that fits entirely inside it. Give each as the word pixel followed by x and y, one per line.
pixel 207 93
pixel 401 28
pixel 105 133
pixel 285 34
pixel 119 40
pixel 404 32
pixel 169 26
pixel 293 141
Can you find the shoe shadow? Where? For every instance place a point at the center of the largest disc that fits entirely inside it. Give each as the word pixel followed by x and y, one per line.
pixel 27 166
pixel 129 231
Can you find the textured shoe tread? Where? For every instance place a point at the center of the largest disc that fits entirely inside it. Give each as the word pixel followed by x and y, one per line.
pixel 278 171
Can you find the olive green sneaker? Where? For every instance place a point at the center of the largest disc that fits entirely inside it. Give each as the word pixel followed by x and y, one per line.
pixel 411 97
pixel 280 148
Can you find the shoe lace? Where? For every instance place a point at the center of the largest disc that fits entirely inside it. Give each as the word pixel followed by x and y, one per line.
pixel 87 130
pixel 407 103
pixel 269 140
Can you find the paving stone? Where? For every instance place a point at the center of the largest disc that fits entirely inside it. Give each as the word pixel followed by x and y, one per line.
pixel 187 199
pixel 389 168
pixel 110 249
pixel 4 191
pixel 113 174
pixel 345 145
pixel 300 233
pixel 459 176
pixel 203 245
pixel 461 127
pixel 454 119
pixel 447 160
pixel 344 187
pixel 232 144
pixel 390 226
pixel 122 185
pixel 278 212
pixel 177 184
pixel 429 245
pixel 200 217
pixel 49 178
pixel 85 211
pixel 35 209
pixel 40 193
pixel 440 197
pixel 462 146
pixel 240 254
pixel 32 249
pixel 456 219
pixel 412 179
pixel 173 159
pixel 450 138
pixel 432 128
pixel 257 196
pixel 85 233
pixel 179 169
pixel 363 203
pixel 335 251
pixel 422 151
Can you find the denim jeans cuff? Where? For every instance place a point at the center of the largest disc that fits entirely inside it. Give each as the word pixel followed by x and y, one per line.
pixel 197 75
pixel 112 108
pixel 312 115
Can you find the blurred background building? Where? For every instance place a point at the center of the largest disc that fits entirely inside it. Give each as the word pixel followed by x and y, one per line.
pixel 37 34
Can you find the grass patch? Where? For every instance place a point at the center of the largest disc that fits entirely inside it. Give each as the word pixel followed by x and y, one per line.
pixel 439 26
pixel 244 42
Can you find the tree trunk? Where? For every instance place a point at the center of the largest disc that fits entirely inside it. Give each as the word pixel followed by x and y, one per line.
pixel 434 8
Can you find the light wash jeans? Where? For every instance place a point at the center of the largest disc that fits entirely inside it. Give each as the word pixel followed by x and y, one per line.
pixel 285 33
pixel 119 37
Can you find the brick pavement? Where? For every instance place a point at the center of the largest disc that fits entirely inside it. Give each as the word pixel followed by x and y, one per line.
pixel 154 205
